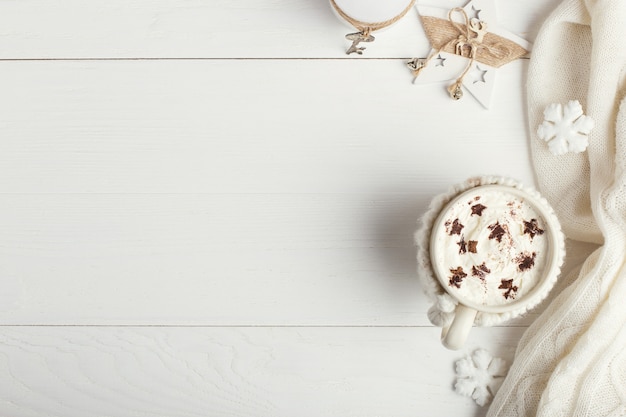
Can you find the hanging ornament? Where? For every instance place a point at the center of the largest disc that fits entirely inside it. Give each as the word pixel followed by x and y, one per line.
pixel 368 16
pixel 467 48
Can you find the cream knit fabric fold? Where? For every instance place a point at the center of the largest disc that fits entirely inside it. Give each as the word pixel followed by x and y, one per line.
pixel 572 360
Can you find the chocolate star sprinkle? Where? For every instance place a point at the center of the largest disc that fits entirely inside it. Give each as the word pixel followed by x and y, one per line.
pixel 526 260
pixel 454 228
pixel 477 209
pixel 532 228
pixel 471 245
pixel 480 271
pixel 457 277
pixel 497 231
pixel 462 246
pixel 511 290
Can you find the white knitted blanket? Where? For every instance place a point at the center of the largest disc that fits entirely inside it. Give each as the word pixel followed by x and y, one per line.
pixel 572 360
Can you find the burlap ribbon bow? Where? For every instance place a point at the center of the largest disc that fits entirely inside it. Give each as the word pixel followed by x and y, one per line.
pixel 469 38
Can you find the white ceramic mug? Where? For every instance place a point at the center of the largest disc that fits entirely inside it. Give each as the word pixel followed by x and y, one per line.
pixel 522 266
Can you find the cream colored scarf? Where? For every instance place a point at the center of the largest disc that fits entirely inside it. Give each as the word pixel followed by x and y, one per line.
pixel 572 360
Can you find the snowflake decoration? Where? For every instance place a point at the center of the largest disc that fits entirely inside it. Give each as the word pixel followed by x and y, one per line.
pixel 479 376
pixel 565 129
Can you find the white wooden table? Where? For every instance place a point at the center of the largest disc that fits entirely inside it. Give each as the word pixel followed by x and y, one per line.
pixel 208 209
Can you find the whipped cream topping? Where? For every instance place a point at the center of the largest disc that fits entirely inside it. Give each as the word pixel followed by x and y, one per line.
pixel 491 247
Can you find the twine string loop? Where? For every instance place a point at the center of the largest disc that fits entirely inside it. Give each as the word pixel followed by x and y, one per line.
pixel 366 28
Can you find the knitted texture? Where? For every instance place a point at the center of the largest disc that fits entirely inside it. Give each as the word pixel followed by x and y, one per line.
pixel 572 360
pixel 441 312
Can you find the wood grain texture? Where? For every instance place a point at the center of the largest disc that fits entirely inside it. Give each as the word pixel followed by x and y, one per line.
pixel 35 29
pixel 270 126
pixel 213 372
pixel 211 259
pixel 222 174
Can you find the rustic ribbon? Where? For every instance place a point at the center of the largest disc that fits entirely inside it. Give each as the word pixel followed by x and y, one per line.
pixel 469 39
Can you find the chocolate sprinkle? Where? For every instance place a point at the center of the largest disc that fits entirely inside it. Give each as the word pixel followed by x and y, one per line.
pixel 454 228
pixel 497 231
pixel 532 228
pixel 471 245
pixel 526 260
pixel 457 277
pixel 480 271
pixel 511 290
pixel 462 246
pixel 477 209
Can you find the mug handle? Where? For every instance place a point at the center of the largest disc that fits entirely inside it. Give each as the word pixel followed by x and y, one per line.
pixel 454 335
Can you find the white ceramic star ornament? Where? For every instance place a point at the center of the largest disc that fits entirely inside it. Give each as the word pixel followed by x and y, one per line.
pixel 486 40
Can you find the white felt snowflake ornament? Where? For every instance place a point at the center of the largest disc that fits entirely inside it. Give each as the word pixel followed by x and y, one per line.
pixel 565 129
pixel 479 376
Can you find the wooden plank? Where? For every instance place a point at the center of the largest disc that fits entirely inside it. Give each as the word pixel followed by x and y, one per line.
pixel 157 371
pixel 209 259
pixel 33 29
pixel 228 259
pixel 249 127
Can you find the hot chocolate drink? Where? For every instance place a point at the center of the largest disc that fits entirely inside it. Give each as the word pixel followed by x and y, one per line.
pixel 490 247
